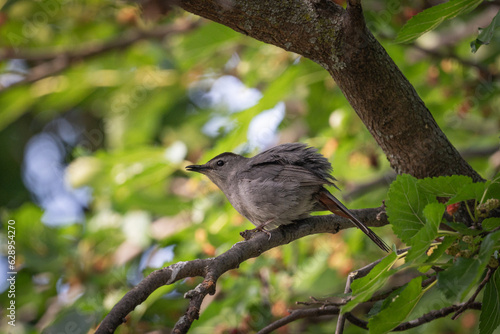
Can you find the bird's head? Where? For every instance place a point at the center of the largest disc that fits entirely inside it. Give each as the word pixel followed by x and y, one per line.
pixel 220 169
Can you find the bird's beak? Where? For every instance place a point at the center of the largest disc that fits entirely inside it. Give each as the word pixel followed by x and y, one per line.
pixel 198 168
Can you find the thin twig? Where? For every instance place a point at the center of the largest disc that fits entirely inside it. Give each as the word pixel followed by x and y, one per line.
pixel 300 314
pixel 341 321
pixel 357 190
pixel 384 295
pixel 428 317
pixel 321 302
pixel 440 55
pixel 489 273
pixel 350 278
pixel 433 315
pixel 363 188
pixel 333 310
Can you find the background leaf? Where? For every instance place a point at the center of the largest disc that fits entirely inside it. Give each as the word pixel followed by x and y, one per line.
pixel 111 123
pixel 490 312
pixel 490 223
pixel 432 17
pixel 486 34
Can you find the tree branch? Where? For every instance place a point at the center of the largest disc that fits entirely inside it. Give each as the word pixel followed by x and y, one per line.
pixel 350 278
pixel 334 310
pixel 54 62
pixel 300 314
pixel 364 188
pixel 326 303
pixel 339 40
pixel 353 191
pixel 428 317
pixel 211 269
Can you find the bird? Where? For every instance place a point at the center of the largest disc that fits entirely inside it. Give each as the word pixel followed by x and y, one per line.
pixel 279 186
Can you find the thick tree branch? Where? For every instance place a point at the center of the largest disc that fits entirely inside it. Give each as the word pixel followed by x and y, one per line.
pixel 211 269
pixel 339 40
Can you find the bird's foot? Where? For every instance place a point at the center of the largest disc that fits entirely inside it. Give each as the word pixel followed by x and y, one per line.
pixel 265 231
pixel 262 227
pixel 247 234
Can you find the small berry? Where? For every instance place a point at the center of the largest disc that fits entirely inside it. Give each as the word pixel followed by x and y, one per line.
pixel 467 238
pixel 493 263
pixel 452 208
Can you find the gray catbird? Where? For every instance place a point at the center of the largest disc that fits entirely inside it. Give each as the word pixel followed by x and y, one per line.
pixel 278 186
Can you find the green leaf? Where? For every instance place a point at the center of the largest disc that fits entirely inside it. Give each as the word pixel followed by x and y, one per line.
pixel 490 224
pixel 485 34
pixel 16 101
pixel 364 287
pixel 433 214
pixel 399 309
pixel 470 191
pixel 405 206
pixel 453 281
pixel 490 312
pixel 492 190
pixel 444 186
pixel 199 45
pixel 463 229
pixel 488 246
pixel 429 19
pixel 460 278
pixel 310 271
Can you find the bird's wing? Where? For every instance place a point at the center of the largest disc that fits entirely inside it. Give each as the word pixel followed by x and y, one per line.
pixel 278 193
pixel 295 154
pixel 290 174
pixel 283 154
pixel 301 175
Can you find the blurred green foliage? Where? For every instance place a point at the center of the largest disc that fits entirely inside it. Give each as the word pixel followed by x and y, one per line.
pixel 136 127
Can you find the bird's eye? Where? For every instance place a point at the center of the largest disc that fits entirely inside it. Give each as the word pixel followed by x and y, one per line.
pixel 220 163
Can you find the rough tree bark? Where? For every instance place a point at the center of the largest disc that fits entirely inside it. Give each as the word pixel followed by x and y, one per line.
pixel 338 39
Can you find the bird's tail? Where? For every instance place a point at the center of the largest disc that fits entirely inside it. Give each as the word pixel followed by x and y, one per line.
pixel 335 206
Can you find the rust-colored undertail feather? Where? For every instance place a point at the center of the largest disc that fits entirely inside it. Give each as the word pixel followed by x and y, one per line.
pixel 335 206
